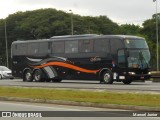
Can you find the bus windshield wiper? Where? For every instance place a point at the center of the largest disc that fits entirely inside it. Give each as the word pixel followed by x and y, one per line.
pixel 142 59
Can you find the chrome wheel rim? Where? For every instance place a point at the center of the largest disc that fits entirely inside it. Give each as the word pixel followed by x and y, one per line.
pixel 107 77
pixel 37 76
pixel 28 76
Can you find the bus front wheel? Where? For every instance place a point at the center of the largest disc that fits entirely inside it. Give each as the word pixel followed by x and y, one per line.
pixel 107 77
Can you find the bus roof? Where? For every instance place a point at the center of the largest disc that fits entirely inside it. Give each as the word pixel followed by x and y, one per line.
pixel 76 37
pixel 92 36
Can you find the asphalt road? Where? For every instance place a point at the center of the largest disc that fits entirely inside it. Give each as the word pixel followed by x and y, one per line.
pixel 65 111
pixel 147 87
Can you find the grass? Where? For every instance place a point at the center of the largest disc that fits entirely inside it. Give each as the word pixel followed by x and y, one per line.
pixel 137 99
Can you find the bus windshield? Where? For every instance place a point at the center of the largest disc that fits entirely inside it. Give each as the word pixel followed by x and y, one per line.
pixel 139 55
pixel 138 58
pixel 135 43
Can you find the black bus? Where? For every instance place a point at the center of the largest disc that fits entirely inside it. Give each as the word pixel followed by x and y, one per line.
pixel 106 58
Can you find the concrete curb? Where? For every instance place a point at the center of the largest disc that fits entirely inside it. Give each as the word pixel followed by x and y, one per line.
pixel 85 104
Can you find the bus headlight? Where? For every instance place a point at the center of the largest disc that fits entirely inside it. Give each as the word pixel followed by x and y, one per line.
pixel 132 73
pixel 149 73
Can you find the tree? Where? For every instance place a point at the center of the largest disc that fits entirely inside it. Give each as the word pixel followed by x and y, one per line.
pixel 129 29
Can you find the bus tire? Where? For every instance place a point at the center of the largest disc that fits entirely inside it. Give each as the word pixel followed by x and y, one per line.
pixel 1 77
pixel 107 77
pixel 37 75
pixel 27 76
pixel 127 82
pixel 57 80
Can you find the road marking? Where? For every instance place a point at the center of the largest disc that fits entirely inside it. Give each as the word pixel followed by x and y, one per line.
pixel 42 106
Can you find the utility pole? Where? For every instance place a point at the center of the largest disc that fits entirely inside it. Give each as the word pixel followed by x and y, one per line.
pixel 71 22
pixel 157 34
pixel 6 43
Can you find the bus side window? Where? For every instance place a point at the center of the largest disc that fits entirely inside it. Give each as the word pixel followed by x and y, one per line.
pixel 115 45
pixel 71 46
pixel 19 49
pixel 23 49
pixel 14 49
pixel 86 46
pixel 121 58
pixel 58 47
pixel 33 48
pixel 43 48
pixel 101 45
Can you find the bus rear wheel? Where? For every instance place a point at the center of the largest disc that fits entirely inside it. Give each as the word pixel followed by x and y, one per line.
pixel 37 76
pixel 107 77
pixel 27 76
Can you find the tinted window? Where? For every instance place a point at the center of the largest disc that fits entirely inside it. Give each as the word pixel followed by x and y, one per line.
pixel 71 46
pixel 121 58
pixel 115 45
pixel 58 47
pixel 33 48
pixel 135 43
pixel 43 48
pixel 19 49
pixel 86 46
pixel 101 45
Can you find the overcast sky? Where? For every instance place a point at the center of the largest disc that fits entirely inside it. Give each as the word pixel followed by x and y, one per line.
pixel 120 11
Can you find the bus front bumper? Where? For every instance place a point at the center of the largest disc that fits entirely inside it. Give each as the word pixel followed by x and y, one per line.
pixel 139 76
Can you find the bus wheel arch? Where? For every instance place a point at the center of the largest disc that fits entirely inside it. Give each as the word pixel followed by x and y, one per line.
pixel 27 75
pixel 106 76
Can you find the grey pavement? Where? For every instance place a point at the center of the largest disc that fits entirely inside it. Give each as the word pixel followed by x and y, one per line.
pixel 147 87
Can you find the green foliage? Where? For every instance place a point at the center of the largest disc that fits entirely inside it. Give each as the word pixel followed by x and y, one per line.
pixel 128 29
pixel 135 99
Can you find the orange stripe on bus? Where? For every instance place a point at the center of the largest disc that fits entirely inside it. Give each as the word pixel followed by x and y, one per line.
pixel 61 64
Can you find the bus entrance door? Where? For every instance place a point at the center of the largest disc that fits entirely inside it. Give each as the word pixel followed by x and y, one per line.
pixel 121 65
